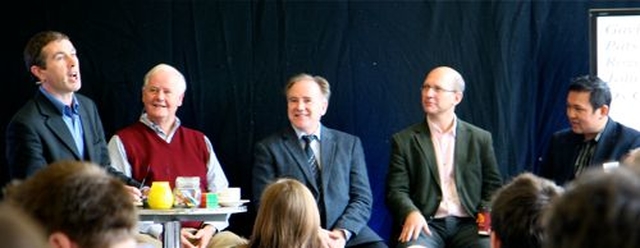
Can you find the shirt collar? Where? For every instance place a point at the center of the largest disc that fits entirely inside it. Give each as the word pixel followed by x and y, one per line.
pixel 300 133
pixel 146 121
pixel 64 110
pixel 434 128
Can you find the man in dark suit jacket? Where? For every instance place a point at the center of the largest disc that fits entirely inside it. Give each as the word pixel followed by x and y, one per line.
pixel 342 191
pixel 442 170
pixel 593 139
pixel 57 124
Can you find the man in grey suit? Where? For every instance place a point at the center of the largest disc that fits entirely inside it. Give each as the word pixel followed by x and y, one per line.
pixel 341 187
pixel 441 171
pixel 57 124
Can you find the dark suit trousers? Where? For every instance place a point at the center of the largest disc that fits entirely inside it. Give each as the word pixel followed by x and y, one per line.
pixel 450 232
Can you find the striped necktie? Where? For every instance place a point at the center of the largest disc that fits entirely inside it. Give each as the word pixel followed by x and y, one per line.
pixel 311 158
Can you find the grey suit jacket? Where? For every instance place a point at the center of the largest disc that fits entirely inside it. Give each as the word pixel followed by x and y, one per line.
pixel 413 182
pixel 345 183
pixel 37 136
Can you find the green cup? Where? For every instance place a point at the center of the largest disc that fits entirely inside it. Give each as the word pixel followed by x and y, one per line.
pixel 211 200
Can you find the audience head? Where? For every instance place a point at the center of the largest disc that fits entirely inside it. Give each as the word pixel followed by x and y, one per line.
pixel 588 104
pixel 78 204
pixel 442 90
pixel 307 101
pixel 598 209
pixel 287 217
pixel 18 230
pixel 517 209
pixel 163 92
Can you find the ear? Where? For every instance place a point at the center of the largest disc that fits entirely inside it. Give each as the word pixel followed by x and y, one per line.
pixel 325 106
pixel 60 240
pixel 604 110
pixel 37 72
pixel 495 241
pixel 180 98
pixel 458 97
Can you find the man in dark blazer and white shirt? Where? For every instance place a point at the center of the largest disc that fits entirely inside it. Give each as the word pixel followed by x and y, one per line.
pixel 344 197
pixel 57 124
pixel 593 138
pixel 441 172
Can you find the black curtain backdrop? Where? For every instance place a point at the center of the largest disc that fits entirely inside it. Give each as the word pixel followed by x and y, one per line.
pixel 517 58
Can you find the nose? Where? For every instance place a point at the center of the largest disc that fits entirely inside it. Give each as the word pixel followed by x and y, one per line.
pixel 429 92
pixel 72 60
pixel 160 95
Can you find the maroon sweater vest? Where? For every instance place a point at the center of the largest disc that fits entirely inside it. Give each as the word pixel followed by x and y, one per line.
pixel 152 157
pixel 186 155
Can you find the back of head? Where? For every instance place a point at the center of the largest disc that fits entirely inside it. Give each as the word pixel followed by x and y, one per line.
pixel 517 208
pixel 598 209
pixel 92 208
pixel 18 230
pixel 288 217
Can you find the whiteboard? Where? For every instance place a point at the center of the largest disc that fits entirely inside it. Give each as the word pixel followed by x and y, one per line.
pixel 615 58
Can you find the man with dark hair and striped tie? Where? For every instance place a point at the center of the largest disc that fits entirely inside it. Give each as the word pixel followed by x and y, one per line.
pixel 329 162
pixel 593 138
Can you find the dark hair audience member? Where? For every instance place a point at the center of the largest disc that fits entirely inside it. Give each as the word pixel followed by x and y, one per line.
pixel 517 210
pixel 598 210
pixel 78 204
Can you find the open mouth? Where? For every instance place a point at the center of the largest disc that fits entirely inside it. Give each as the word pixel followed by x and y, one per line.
pixel 74 75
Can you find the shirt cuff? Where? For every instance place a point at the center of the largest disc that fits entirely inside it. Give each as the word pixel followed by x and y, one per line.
pixel 347 234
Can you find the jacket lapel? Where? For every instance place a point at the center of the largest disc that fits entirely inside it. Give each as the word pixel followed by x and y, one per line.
pixel 422 137
pixel 327 154
pixel 459 150
pixel 87 131
pixel 293 147
pixel 607 139
pixel 54 122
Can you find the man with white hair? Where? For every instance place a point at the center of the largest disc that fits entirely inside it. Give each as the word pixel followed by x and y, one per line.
pixel 159 148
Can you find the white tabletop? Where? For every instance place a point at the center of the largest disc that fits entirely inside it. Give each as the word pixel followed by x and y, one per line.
pixel 185 214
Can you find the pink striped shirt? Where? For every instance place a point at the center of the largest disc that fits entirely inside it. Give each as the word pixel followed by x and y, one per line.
pixel 444 142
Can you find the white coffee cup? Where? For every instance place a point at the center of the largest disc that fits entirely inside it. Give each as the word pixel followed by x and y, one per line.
pixel 231 194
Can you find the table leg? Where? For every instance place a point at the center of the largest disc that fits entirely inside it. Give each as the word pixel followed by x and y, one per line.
pixel 171 234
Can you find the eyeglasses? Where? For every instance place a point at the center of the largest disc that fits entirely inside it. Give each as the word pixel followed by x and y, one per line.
pixel 437 89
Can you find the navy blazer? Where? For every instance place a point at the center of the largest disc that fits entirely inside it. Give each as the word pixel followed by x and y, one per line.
pixel 345 183
pixel 37 136
pixel 615 141
pixel 413 182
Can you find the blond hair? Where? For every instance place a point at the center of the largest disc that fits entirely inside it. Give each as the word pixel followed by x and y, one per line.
pixel 288 217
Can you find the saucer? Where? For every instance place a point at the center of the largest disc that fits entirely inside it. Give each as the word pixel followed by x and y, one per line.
pixel 232 203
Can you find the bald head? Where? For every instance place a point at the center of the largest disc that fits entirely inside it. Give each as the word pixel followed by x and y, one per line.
pixel 448 74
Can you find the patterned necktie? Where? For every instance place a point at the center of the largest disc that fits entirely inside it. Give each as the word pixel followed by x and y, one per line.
pixel 311 157
pixel 315 169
